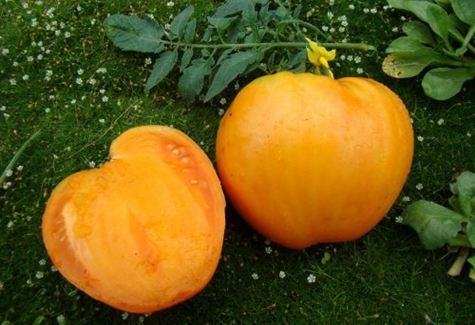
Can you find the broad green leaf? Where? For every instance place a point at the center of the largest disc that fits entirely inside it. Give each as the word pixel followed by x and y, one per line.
pixel 444 83
pixel 471 260
pixel 471 232
pixel 229 69
pixel 418 31
pixel 464 190
pixel 179 23
pixel 406 44
pixel 191 81
pixel 162 67
pixel 131 33
pixel 465 10
pixel 186 58
pixel 429 12
pixel 410 64
pixel 434 224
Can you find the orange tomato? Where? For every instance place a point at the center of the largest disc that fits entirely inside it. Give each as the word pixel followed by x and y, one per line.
pixel 307 159
pixel 144 231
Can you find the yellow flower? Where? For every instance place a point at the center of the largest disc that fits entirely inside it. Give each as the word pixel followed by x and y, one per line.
pixel 319 55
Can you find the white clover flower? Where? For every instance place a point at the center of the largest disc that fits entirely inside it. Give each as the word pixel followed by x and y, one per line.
pixel 419 186
pixel 255 276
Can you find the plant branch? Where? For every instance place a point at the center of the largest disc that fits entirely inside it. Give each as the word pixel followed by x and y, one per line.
pixel 341 46
pixel 17 155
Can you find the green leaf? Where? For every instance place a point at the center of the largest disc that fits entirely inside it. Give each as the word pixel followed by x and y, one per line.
pixel 429 12
pixel 464 191
pixel 162 67
pixel 131 33
pixel 191 81
pixel 418 31
pixel 465 10
pixel 444 83
pixel 221 23
pixel 406 44
pixel 471 260
pixel 434 224
pixel 471 232
pixel 179 23
pixel 410 64
pixel 231 7
pixel 190 30
pixel 186 58
pixel 229 69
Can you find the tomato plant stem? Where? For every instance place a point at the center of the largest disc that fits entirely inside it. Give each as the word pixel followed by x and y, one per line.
pixel 268 45
pixel 17 155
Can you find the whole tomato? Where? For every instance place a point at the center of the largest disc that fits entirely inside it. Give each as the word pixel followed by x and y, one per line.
pixel 308 159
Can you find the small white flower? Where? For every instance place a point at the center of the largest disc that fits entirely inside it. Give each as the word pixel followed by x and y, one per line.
pixel 311 278
pixel 399 219
pixel 441 121
pixel 101 120
pixel 105 99
pixel 39 275
pixel 25 77
pixel 79 81
pixel 80 72
pixel 282 274
pixel 42 262
pixel 8 172
pixel 268 250
pixel 419 186
pixel 148 61
pixel 92 164
pixel 406 199
pixel 254 276
pixel 420 138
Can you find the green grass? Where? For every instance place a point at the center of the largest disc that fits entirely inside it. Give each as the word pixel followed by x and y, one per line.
pixel 383 278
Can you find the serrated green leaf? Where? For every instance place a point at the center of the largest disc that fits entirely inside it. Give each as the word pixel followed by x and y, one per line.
pixel 435 225
pixel 465 10
pixel 131 33
pixel 162 67
pixel 191 81
pixel 229 69
pixel 186 58
pixel 418 31
pixel 232 7
pixel 190 30
pixel 221 23
pixel 179 23
pixel 444 83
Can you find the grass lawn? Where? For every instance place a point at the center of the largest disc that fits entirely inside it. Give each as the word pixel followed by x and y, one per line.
pixel 59 74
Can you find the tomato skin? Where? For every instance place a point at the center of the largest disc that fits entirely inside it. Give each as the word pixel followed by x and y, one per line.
pixel 307 159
